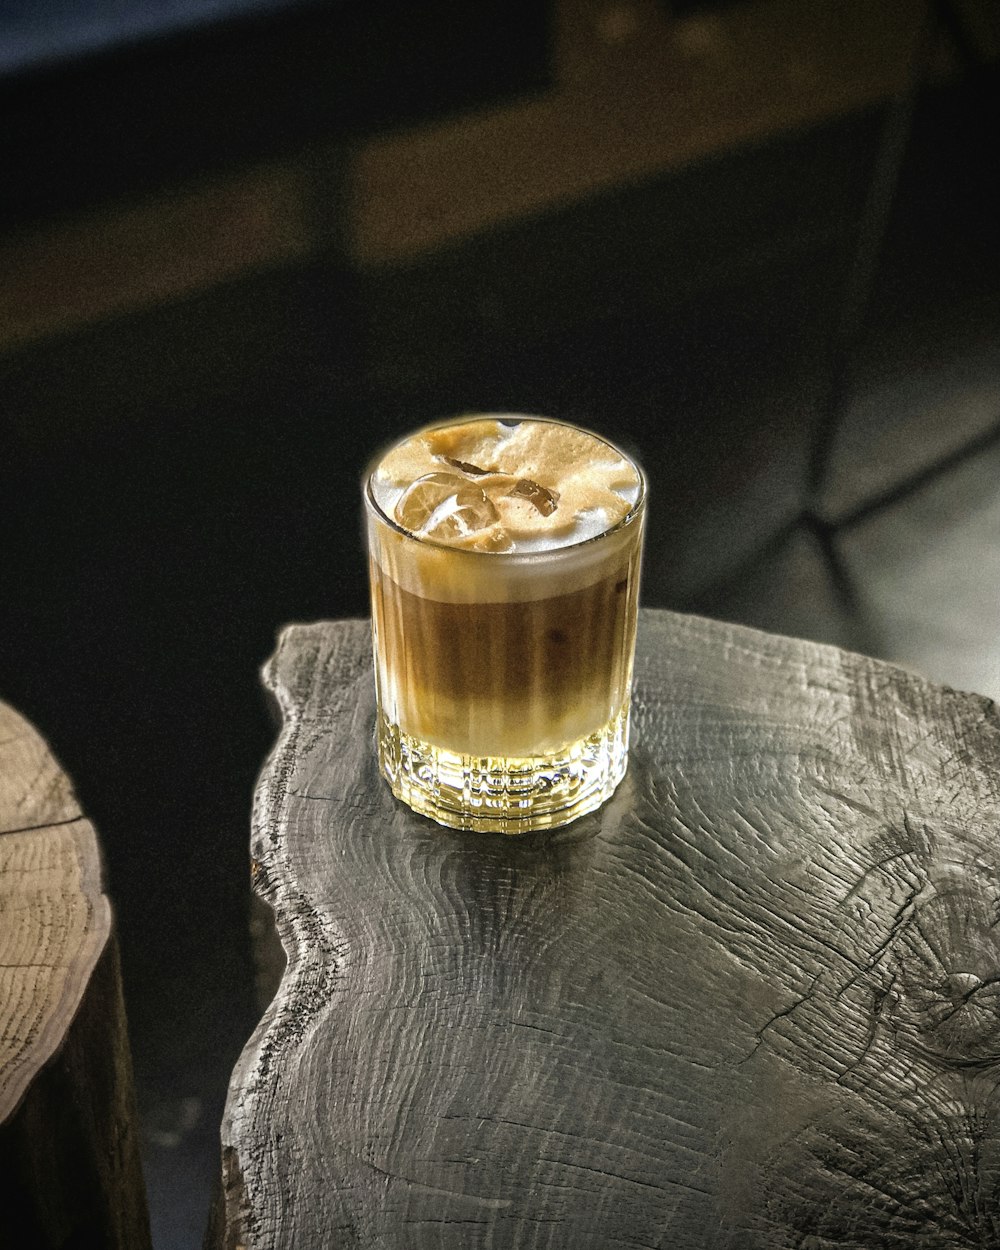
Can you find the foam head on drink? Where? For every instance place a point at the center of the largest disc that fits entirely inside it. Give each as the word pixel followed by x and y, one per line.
pixel 504 564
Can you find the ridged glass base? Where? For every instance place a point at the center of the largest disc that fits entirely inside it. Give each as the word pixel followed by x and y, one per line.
pixel 504 795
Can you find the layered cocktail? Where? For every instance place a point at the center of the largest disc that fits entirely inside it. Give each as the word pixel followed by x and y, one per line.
pixel 504 557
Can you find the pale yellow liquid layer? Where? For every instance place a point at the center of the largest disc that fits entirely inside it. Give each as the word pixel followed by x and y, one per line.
pixel 508 796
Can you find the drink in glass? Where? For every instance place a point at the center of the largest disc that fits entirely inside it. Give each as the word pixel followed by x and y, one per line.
pixel 504 561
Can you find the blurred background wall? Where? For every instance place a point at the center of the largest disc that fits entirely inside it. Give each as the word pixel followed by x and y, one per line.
pixel 243 245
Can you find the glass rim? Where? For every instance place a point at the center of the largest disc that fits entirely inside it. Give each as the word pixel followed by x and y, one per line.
pixel 374 507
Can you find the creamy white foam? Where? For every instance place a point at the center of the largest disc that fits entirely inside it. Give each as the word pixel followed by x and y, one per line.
pixel 503 485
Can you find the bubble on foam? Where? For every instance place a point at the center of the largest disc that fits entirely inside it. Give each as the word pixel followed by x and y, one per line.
pixel 548 484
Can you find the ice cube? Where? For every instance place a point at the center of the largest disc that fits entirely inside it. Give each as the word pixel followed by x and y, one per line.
pixel 416 505
pixel 544 500
pixel 463 515
pixel 446 507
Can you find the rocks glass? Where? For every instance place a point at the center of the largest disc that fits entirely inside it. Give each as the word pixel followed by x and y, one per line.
pixel 504 557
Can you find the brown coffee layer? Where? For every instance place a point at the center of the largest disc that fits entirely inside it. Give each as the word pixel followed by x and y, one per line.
pixel 506 678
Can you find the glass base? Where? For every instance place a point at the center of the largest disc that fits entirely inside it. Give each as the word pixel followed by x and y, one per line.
pixel 504 794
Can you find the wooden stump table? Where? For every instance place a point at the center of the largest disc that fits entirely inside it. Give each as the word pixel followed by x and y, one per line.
pixel 69 1151
pixel 753 1003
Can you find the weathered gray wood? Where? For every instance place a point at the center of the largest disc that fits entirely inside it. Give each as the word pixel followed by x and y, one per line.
pixel 69 1156
pixel 754 1003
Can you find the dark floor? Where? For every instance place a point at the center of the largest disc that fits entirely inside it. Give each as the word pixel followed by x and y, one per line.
pixel 150 556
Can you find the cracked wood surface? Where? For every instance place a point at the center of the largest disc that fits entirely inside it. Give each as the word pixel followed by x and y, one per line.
pixel 754 1003
pixel 69 1162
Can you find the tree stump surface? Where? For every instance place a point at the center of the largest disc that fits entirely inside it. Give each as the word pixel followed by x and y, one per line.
pixel 69 1155
pixel 753 1003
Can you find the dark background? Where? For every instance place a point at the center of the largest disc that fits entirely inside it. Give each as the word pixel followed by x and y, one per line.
pixel 794 324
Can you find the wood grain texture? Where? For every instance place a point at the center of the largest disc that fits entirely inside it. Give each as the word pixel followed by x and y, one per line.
pixel 69 1162
pixel 751 1004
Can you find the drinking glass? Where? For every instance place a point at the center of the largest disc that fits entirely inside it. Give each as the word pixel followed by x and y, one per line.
pixel 503 678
